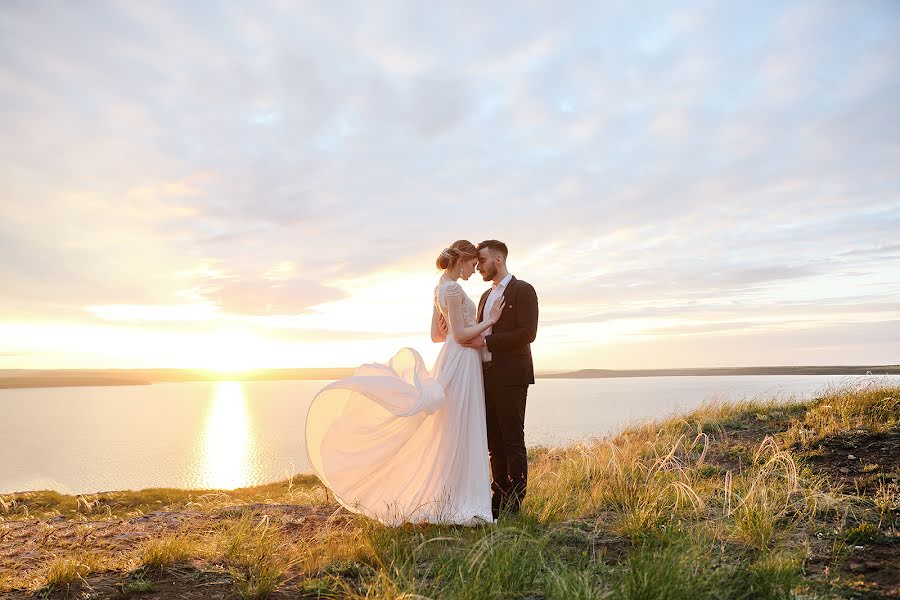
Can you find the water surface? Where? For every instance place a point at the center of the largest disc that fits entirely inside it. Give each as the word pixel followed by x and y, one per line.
pixel 233 434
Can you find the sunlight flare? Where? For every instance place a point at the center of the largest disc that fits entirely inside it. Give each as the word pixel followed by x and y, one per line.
pixel 226 439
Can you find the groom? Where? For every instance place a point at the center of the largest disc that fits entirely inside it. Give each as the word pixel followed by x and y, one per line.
pixel 508 371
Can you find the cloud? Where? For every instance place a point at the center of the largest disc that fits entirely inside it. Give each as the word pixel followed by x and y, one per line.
pixel 886 250
pixel 267 297
pixel 736 156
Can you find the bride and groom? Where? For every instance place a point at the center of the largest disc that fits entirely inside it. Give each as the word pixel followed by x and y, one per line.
pixel 399 443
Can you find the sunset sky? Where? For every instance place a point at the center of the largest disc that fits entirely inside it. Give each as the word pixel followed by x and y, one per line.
pixel 267 184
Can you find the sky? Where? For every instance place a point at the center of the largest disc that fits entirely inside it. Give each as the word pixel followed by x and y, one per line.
pixel 234 186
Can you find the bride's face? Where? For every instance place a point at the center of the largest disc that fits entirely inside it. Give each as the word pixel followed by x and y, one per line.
pixel 467 267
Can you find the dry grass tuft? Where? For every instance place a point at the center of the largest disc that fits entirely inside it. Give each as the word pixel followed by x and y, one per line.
pixel 257 555
pixel 870 407
pixel 66 571
pixel 168 551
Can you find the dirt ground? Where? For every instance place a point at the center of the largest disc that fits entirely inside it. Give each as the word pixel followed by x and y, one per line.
pixel 865 464
pixel 30 544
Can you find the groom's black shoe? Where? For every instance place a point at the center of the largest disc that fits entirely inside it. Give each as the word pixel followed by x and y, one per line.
pixel 499 495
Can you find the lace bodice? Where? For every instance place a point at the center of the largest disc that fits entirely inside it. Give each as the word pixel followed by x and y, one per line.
pixel 447 288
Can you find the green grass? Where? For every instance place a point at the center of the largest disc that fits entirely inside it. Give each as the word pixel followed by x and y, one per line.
pixel 692 568
pixel 137 583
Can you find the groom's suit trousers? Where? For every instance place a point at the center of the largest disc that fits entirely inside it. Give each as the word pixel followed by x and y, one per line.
pixel 505 413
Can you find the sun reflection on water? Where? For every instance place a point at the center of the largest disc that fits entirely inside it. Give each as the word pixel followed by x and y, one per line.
pixel 226 439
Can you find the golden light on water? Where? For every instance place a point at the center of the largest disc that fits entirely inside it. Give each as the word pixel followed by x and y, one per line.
pixel 226 439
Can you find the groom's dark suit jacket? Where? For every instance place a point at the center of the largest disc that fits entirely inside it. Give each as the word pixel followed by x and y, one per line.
pixel 511 337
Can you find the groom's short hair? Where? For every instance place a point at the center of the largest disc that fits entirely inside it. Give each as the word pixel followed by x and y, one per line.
pixel 495 245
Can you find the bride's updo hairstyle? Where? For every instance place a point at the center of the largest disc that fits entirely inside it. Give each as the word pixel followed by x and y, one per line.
pixel 460 249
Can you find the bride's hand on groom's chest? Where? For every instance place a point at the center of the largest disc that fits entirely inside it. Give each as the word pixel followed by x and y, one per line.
pixel 507 308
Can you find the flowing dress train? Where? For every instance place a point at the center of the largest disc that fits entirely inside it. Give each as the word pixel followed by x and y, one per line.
pixel 399 443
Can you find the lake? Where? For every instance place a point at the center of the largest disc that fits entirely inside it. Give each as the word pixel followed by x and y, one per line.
pixel 233 434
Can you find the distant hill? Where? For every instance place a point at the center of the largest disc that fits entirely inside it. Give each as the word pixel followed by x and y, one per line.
pixel 28 378
pixel 722 371
pixel 19 378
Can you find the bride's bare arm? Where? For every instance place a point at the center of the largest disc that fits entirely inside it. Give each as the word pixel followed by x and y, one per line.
pixel 463 334
pixel 438 326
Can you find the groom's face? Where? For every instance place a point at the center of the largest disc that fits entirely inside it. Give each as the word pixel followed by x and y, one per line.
pixel 487 263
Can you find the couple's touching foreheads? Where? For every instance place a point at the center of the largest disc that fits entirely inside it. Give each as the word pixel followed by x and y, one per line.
pixel 400 443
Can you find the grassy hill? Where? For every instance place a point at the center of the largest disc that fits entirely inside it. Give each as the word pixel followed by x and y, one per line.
pixel 747 500
pixel 720 371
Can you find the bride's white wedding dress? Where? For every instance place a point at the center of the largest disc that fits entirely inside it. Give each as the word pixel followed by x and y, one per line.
pixel 398 443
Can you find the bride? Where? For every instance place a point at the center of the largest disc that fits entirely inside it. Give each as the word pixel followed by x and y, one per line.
pixel 399 443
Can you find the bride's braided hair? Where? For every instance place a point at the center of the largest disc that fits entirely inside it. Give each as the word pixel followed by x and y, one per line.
pixel 460 249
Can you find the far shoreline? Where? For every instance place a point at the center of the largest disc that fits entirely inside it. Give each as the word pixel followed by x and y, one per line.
pixel 27 378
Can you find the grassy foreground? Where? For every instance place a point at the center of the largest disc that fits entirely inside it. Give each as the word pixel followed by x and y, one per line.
pixel 745 500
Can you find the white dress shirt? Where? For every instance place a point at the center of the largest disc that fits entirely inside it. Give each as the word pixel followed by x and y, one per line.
pixel 496 292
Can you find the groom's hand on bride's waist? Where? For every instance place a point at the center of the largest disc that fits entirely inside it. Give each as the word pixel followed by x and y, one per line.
pixel 477 342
